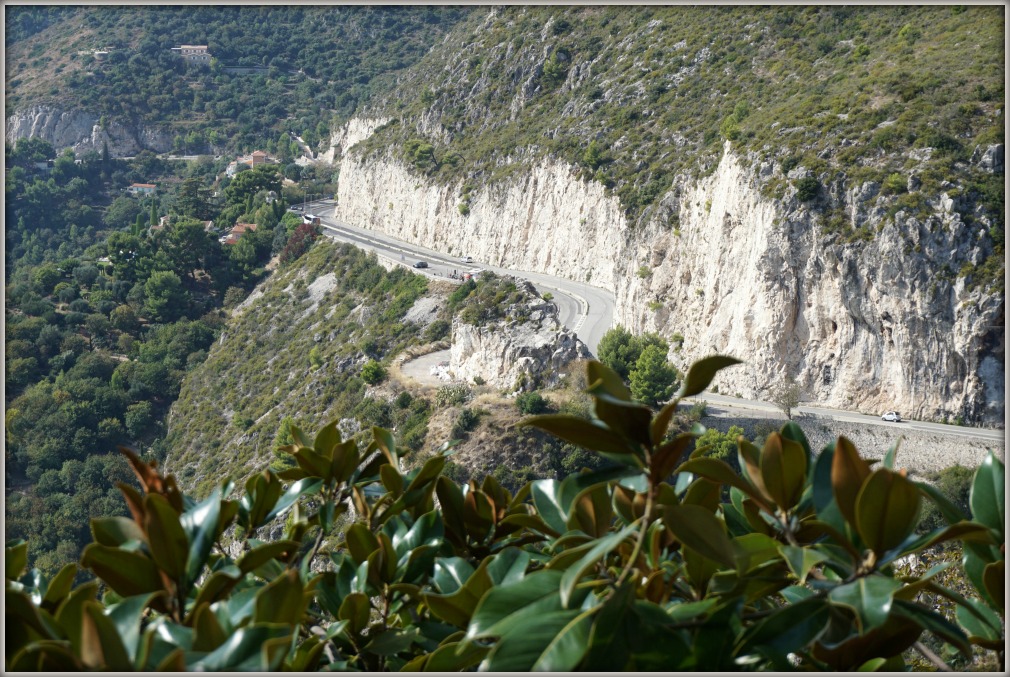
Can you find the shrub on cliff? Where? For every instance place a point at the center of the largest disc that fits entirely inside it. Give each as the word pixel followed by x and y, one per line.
pixel 635 567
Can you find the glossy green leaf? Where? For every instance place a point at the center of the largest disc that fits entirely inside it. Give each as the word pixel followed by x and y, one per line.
pixel 848 472
pixel 565 650
pixel 716 470
pixel 201 525
pixel 208 634
pixel 360 541
pixel 801 559
pixel 246 650
pixel 792 431
pixel 988 494
pixel 355 610
pixel 261 554
pixel 601 547
pixel 789 630
pixel 701 373
pixel 392 641
pixel 580 432
pixel 458 607
pixel 508 566
pixel 629 420
pixel 15 559
pixel 602 379
pixel 700 530
pixel 60 586
pixel 994 578
pixel 887 510
pixel 934 623
pixel 982 624
pixel 749 457
pixel 115 531
pixel 126 616
pixel 869 598
pixel 168 543
pixel 385 443
pixel 101 645
pixel 508 606
pixel 591 511
pixel 453 657
pixel 892 455
pixel 667 456
pixel 128 573
pixel 304 487
pixel 545 498
pixel 783 467
pixel 281 600
pixel 450 573
pixel 521 650
pixel 327 438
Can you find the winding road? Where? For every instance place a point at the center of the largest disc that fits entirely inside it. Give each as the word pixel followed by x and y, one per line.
pixel 589 311
pixel 586 310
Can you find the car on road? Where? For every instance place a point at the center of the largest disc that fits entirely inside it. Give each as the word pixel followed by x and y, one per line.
pixel 296 208
pixel 421 264
pixel 892 416
pixel 467 259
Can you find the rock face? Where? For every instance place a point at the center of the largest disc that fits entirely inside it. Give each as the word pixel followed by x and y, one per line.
pixel 870 325
pixel 517 354
pixel 82 132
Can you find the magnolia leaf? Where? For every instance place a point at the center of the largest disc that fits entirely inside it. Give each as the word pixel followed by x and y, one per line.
pixel 128 573
pixel 15 559
pixel 994 578
pixel 167 539
pixel 788 630
pixel 701 373
pixel 281 600
pixel 869 597
pixel 783 467
pixel 115 531
pixel 887 510
pixel 355 610
pixel 700 530
pixel 580 432
pixel 326 439
pixel 126 617
pixel 934 623
pixel 982 623
pixel 303 487
pixel 555 638
pixel 201 524
pixel 988 494
pixel 207 631
pixel 245 649
pixel 59 587
pixel 545 498
pixel 603 379
pixel 601 547
pixel 848 472
pixel 101 646
pixel 801 560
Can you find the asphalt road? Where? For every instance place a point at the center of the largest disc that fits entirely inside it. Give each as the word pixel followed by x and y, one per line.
pixel 587 310
pixel 720 403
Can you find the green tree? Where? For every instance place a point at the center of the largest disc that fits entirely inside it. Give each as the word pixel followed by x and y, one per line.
pixel 373 372
pixel 190 247
pixel 164 297
pixel 619 349
pixel 653 378
pixel 138 418
pixel 786 396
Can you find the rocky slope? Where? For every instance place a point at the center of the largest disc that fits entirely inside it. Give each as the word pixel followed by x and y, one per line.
pixel 82 131
pixel 865 325
pixel 798 188
pixel 528 351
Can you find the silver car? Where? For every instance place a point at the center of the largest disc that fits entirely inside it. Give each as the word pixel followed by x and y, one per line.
pixel 892 416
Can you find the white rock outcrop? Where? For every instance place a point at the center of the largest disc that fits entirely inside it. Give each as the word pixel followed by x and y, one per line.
pixel 520 354
pixel 83 132
pixel 874 325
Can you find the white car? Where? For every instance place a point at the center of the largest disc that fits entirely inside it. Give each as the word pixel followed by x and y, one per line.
pixel 892 416
pixel 467 259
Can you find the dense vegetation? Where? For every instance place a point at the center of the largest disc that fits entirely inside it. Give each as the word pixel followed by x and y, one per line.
pixel 641 99
pixel 667 560
pixel 319 63
pixel 106 312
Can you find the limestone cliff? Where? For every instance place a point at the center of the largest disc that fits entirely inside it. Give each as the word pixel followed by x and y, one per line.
pixel 530 349
pixel 886 322
pixel 82 131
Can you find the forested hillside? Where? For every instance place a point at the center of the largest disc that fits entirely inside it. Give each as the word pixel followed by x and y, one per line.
pixel 318 64
pixel 635 96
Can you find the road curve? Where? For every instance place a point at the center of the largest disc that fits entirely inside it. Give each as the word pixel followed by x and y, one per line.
pixel 589 311
pixel 586 310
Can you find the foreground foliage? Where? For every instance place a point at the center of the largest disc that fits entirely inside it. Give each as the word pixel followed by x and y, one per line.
pixel 662 562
